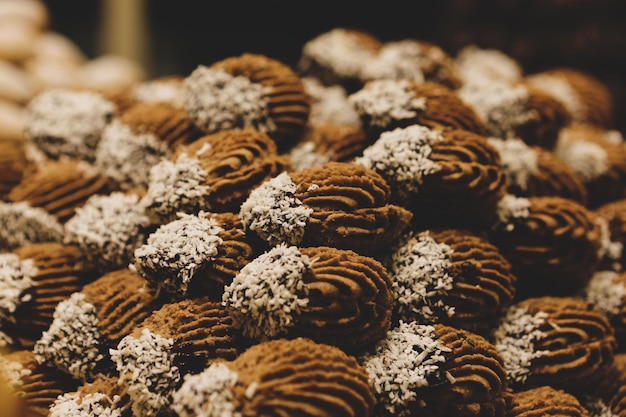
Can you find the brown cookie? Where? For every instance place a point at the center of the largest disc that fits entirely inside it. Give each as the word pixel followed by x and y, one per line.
pixel 60 187
pixel 436 370
pixel 282 377
pixel 248 91
pixel 104 396
pixel 612 389
pixel 533 171
pixel 563 342
pixel 34 387
pixel 13 164
pixel 329 295
pixel 339 56
pixel 337 204
pixel 553 243
pixel 446 178
pixel 545 401
pixel 613 214
pixel 195 254
pixel 90 322
pixel 213 173
pixel 388 104
pixel 598 157
pixel 586 98
pixel 175 340
pixel 39 276
pixel 450 276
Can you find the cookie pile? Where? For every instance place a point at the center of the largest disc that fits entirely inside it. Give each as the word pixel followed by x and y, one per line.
pixel 383 229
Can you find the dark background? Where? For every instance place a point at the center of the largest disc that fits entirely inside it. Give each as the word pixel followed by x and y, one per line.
pixel 588 35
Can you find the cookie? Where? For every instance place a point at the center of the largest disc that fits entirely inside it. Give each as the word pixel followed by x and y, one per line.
pixel 103 396
pixel 545 401
pixel 477 65
pixel 250 91
pixel 289 377
pixel 13 163
pixel 612 217
pixel 21 224
pixel 338 204
pixel 563 342
pixel 329 295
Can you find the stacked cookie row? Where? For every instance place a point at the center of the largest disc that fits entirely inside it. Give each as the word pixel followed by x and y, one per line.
pixel 383 230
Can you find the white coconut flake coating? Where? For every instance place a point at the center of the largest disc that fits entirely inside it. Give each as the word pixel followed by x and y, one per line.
pixel 605 292
pixel 514 339
pixel 613 136
pixel 177 250
pixel 561 90
pixel 16 276
pixel 21 224
pixel 216 100
pixel 386 101
pixel 12 372
pixel 268 294
pixel 274 213
pixel 510 209
pixel 72 342
pixel 330 104
pixel 174 187
pixel 146 369
pixel 519 161
pixel 304 155
pixel 108 228
pixel 501 106
pixel 207 394
pixel 588 160
pixel 401 156
pixel 609 250
pixel 67 122
pixel 476 65
pixel 338 50
pixel 397 60
pixel 127 157
pixel 159 91
pixel 91 405
pixel 407 359
pixel 419 268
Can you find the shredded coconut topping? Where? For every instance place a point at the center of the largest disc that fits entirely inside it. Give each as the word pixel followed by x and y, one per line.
pixel 126 157
pixel 21 224
pixel 268 294
pixel 304 155
pixel 397 60
pixel 561 90
pixel 177 250
pixel 176 187
pixel 339 51
pixel 501 106
pixel 159 91
pixel 274 213
pixel 108 228
pixel 519 161
pixel 96 404
pixel 613 137
pixel 385 101
pixel 67 122
pixel 72 341
pixel 407 359
pixel 606 292
pixel 515 338
pixel 478 66
pixel 207 394
pixel 419 268
pixel 510 208
pixel 216 100
pixel 146 368
pixel 16 276
pixel 330 104
pixel 401 156
pixel 12 372
pixel 589 160
pixel 610 250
